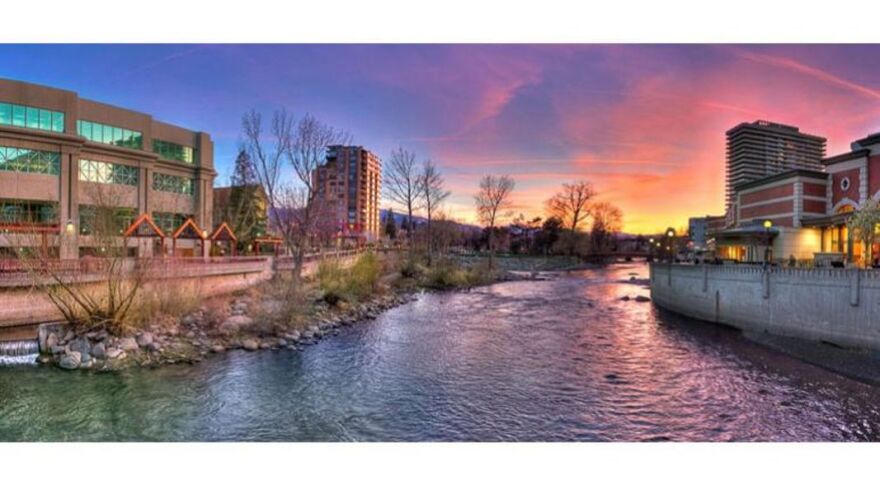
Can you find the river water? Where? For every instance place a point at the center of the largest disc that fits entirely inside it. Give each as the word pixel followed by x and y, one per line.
pixel 558 360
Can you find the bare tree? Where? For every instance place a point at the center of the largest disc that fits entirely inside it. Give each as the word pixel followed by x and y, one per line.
pixel 285 167
pixel 401 184
pixel 432 194
pixel 492 200
pixel 97 293
pixel 572 206
pixel 607 220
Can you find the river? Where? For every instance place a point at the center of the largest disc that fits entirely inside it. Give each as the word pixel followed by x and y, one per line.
pixel 563 359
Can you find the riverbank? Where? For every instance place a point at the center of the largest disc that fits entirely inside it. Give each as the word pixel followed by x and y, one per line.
pixel 272 315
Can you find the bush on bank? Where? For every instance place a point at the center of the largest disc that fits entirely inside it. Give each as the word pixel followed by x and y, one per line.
pixel 348 284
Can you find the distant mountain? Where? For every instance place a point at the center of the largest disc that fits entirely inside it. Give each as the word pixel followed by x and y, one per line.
pixel 399 218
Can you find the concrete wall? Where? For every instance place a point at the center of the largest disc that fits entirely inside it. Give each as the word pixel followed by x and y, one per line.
pixel 25 305
pixel 833 305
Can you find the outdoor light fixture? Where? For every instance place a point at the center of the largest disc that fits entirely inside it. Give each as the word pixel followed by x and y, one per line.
pixel 69 227
pixel 768 224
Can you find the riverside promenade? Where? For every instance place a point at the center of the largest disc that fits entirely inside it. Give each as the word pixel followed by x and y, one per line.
pixel 23 303
pixel 836 306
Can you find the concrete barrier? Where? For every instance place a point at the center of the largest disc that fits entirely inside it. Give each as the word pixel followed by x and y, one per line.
pixel 832 305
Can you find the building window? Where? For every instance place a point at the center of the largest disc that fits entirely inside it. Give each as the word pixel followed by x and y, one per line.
pixel 31 117
pixel 173 184
pixel 844 184
pixel 174 151
pixel 22 212
pixel 107 173
pixel 29 161
pixel 104 220
pixel 168 221
pixel 106 134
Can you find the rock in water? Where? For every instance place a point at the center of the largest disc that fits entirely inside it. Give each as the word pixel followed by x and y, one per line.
pixel 99 351
pixel 114 353
pixel 250 344
pixel 51 342
pixel 70 361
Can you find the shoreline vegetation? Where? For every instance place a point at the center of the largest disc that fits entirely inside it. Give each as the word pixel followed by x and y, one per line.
pixel 177 327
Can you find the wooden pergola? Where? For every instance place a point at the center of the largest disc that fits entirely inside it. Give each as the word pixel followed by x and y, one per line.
pixel 144 227
pixel 267 241
pixel 188 230
pixel 223 233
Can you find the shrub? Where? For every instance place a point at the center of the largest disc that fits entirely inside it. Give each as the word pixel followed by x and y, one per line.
pixel 446 275
pixel 412 269
pixel 339 284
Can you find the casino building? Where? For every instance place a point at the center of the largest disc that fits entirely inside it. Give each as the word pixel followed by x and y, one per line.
pixel 802 213
pixel 62 158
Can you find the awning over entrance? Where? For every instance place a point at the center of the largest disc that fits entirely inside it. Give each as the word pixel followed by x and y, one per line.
pixel 750 234
pixel 827 221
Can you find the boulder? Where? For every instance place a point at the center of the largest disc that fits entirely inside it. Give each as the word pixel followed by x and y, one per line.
pixel 128 344
pixel 218 348
pixel 250 344
pixel 70 361
pixel 114 353
pixel 236 323
pixel 99 351
pixel 50 344
pixel 42 335
pixel 154 347
pixel 145 339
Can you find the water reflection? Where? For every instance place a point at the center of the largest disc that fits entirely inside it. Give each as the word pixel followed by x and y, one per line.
pixel 564 359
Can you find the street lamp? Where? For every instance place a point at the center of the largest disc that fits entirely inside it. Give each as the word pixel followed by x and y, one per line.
pixel 670 235
pixel 68 229
pixel 767 226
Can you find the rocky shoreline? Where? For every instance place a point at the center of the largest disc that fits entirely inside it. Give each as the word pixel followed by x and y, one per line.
pixel 193 337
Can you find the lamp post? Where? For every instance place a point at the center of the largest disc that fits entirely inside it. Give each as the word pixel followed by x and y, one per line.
pixel 670 236
pixel 767 226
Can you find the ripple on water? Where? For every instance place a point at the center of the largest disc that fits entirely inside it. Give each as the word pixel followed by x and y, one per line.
pixel 561 359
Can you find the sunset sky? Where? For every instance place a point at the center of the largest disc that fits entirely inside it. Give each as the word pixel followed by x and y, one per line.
pixel 644 123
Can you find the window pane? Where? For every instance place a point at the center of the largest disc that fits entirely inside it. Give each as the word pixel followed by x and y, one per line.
pixel 117 136
pixel 33 117
pixel 45 120
pixel 18 115
pixel 5 114
pixel 87 130
pixel 57 121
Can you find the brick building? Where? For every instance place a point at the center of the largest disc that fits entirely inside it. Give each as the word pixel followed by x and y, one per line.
pixel 807 210
pixel 349 184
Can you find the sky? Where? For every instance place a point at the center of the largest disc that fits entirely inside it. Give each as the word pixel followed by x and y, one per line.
pixel 643 123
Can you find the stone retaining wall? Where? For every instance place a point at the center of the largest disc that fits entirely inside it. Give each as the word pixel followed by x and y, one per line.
pixel 832 305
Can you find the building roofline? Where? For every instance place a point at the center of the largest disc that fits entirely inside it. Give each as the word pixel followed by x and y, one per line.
pixel 767 124
pixel 796 172
pixel 868 140
pixel 89 100
pixel 831 160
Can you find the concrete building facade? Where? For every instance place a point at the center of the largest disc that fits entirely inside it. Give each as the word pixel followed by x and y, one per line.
pixel 62 156
pixel 349 183
pixel 761 148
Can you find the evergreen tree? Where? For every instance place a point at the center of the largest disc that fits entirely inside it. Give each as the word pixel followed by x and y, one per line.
pixel 390 226
pixel 246 211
